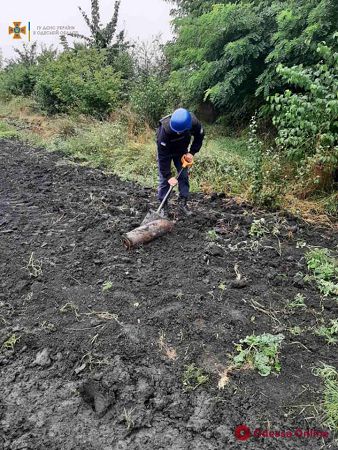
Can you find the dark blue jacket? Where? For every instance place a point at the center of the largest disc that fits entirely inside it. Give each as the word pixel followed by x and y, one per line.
pixel 171 142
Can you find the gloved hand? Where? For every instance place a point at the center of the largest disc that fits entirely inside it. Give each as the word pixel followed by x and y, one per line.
pixel 187 160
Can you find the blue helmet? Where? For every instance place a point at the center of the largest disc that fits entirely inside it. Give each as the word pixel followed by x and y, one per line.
pixel 181 120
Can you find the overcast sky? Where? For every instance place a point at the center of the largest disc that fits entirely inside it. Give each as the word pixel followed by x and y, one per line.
pixel 141 19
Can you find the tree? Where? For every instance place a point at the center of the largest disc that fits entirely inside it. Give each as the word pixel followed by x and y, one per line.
pixel 228 53
pixel 196 8
pixel 192 7
pixel 27 55
pixel 301 25
pixel 219 55
pixel 150 98
pixel 150 60
pixel 101 37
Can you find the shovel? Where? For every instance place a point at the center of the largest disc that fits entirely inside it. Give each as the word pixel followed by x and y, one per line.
pixel 154 224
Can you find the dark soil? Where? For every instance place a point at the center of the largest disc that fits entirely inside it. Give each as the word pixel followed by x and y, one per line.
pixel 100 366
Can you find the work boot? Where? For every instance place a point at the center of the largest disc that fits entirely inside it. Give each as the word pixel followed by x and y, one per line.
pixel 183 206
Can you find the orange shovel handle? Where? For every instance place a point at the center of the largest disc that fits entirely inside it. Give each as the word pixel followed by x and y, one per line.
pixel 185 163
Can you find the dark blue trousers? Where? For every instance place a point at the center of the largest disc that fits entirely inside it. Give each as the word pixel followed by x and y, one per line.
pixel 164 159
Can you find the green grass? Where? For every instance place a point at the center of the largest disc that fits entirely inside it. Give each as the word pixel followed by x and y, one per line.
pixel 221 166
pixel 106 144
pixel 329 376
pixel 7 131
pixel 128 149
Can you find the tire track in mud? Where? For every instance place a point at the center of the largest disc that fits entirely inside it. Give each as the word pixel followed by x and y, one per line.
pixel 104 335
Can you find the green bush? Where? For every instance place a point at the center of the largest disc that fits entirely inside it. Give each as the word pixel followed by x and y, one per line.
pixel 306 119
pixel 18 79
pixel 79 81
pixel 150 99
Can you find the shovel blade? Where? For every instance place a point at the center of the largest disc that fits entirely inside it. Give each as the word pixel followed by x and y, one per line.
pixel 152 216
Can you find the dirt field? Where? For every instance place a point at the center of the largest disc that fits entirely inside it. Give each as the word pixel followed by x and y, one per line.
pixel 104 335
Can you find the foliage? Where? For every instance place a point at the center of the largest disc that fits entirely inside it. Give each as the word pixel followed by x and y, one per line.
pixel 260 352
pixel 149 99
pixel 329 332
pixel 11 342
pixel 219 55
pixel 258 228
pixel 306 119
pixel 297 302
pixel 6 131
pixel 330 404
pixel 212 236
pixel 107 285
pixel 101 37
pixel 192 7
pixel 27 54
pixel 320 262
pixel 300 25
pixel 150 60
pixel 324 269
pixel 193 377
pixel 228 52
pixel 17 80
pixel 81 82
pixel 20 75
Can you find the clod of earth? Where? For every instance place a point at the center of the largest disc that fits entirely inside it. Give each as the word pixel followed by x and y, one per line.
pixel 42 358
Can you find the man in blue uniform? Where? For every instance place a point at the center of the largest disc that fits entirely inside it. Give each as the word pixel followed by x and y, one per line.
pixel 179 135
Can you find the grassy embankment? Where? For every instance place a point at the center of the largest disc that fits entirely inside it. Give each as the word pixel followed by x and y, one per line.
pixel 128 149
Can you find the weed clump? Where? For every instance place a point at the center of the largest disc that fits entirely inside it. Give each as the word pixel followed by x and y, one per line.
pixel 107 285
pixel 258 228
pixel 260 353
pixel 330 332
pixel 11 342
pixel 193 377
pixel 297 302
pixel 324 270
